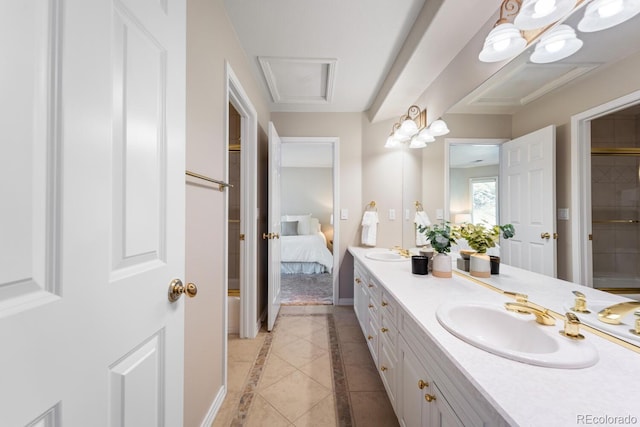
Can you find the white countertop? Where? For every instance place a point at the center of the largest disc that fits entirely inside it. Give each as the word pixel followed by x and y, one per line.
pixel 522 394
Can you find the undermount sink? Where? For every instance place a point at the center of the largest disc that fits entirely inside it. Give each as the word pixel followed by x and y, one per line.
pixel 492 328
pixel 385 256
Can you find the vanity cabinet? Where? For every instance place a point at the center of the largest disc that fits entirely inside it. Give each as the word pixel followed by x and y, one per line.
pixel 417 387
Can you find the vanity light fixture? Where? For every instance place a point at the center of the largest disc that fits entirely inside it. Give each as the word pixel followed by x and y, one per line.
pixel 412 128
pixel 542 21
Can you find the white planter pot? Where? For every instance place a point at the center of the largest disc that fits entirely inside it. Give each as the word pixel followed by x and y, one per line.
pixel 480 265
pixel 442 265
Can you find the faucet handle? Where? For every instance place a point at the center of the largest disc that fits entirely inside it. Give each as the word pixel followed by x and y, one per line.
pixel 572 327
pixel 580 304
pixel 521 298
pixel 636 329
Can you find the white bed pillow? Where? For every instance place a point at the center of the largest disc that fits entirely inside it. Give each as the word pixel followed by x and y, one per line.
pixel 314 225
pixel 303 222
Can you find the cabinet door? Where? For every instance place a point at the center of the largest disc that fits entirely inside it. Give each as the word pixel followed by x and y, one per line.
pixel 412 384
pixel 442 414
pixel 388 366
pixel 360 299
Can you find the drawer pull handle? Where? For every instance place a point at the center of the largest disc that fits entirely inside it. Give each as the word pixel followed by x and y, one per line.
pixel 369 337
pixel 370 285
pixel 384 303
pixel 384 329
pixel 429 397
pixel 370 305
pixel 383 368
pixel 358 281
pixel 422 384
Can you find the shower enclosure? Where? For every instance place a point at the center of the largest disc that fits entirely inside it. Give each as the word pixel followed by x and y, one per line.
pixel 615 201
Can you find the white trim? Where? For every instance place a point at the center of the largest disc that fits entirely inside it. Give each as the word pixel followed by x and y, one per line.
pixel 345 301
pixel 236 95
pixel 214 408
pixel 335 143
pixel 581 184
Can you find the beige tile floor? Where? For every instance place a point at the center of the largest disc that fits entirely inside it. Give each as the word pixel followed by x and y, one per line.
pixel 314 369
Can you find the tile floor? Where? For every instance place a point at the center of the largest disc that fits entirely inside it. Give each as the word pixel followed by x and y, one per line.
pixel 314 369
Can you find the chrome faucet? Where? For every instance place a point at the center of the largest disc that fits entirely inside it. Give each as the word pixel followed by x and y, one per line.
pixel 542 314
pixel 614 313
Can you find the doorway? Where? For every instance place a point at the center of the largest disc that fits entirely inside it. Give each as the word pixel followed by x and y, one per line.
pixel 309 236
pixel 590 224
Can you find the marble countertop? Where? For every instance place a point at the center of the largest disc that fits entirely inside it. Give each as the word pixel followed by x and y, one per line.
pixel 522 394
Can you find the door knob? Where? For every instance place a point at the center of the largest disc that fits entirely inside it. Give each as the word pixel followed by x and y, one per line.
pixel 545 236
pixel 177 288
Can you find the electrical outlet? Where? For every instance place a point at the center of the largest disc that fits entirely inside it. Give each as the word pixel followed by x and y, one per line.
pixel 392 214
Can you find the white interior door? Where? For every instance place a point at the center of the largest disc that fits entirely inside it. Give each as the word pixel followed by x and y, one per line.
pixel 273 294
pixel 92 218
pixel 528 201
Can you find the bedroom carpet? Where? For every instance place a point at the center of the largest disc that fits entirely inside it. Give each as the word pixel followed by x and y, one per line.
pixel 306 289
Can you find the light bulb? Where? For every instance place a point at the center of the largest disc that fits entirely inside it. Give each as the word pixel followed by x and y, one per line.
pixel 501 44
pixel 555 46
pixel 611 8
pixel 544 8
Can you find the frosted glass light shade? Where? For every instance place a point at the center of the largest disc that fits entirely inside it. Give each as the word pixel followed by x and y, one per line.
pixel 417 142
pixel 555 45
pixel 503 42
pixel 426 136
pixel 603 14
pixel 439 127
pixel 392 142
pixel 536 14
pixel 408 128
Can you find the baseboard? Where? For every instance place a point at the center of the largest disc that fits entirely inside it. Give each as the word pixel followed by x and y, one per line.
pixel 345 301
pixel 215 407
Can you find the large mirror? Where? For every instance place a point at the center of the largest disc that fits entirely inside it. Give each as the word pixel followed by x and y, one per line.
pixel 525 93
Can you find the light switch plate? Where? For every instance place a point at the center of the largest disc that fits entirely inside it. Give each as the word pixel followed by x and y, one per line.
pixel 392 214
pixel 439 214
pixel 344 213
pixel 563 214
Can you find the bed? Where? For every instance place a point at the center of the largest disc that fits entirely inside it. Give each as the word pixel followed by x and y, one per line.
pixel 303 247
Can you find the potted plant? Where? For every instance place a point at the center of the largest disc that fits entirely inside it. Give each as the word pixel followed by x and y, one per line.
pixel 481 238
pixel 441 237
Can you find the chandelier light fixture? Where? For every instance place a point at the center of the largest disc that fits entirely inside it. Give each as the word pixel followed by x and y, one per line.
pixel 524 22
pixel 412 128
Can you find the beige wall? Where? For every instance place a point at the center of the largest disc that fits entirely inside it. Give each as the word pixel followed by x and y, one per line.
pixel 557 108
pixel 347 127
pixel 210 41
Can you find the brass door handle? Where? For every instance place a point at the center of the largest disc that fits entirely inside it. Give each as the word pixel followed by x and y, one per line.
pixel 177 288
pixel 545 236
pixel 422 384
pixel 429 397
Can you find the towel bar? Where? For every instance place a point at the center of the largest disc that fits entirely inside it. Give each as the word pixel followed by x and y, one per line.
pixel 221 185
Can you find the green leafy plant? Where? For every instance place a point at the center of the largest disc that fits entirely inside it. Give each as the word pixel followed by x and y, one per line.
pixel 441 236
pixel 481 238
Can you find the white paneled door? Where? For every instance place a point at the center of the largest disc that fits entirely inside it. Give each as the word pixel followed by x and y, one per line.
pixel 92 212
pixel 273 292
pixel 528 201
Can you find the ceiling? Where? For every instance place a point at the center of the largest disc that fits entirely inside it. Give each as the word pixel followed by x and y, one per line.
pixel 381 56
pixel 352 56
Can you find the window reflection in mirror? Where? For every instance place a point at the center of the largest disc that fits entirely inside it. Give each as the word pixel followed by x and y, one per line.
pixel 472 181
